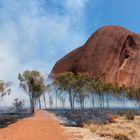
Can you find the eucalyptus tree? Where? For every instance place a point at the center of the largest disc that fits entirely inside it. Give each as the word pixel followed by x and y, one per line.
pixel 99 88
pixel 56 88
pixel 131 92
pixel 49 92
pixel 123 89
pixel 92 91
pixel 4 88
pixel 18 104
pixel 107 88
pixel 67 83
pixel 82 85
pixel 134 93
pixel 62 98
pixel 33 84
pixel 44 98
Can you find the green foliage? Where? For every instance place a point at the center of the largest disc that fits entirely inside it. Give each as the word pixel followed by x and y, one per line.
pixel 4 88
pixel 18 104
pixel 33 84
pixel 130 115
pixel 80 86
pixel 66 81
pixel 75 85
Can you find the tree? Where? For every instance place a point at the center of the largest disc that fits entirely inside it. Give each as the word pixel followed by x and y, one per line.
pixel 4 88
pixel 99 89
pixel 49 89
pixel 107 88
pixel 134 93
pixel 18 104
pixel 123 90
pixel 33 84
pixel 91 90
pixel 82 84
pixel 55 87
pixel 62 98
pixel 66 82
pixel 44 98
pixel 40 89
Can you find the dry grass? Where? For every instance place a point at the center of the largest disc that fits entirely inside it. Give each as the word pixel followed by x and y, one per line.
pixel 122 129
pixel 92 127
pixel 121 137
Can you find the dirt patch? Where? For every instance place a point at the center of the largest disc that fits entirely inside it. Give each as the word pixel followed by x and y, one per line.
pixel 41 126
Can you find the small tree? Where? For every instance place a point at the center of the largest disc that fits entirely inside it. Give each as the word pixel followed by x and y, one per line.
pixel 66 82
pixel 49 89
pixel 82 84
pixel 108 89
pixel 55 87
pixel 134 93
pixel 92 91
pixel 40 89
pixel 4 88
pixel 99 88
pixel 18 104
pixel 33 84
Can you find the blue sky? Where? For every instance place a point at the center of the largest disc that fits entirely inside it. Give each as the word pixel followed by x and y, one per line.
pixel 34 34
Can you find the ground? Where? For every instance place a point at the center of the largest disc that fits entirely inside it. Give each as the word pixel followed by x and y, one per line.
pixel 41 126
pixel 46 126
pixel 110 131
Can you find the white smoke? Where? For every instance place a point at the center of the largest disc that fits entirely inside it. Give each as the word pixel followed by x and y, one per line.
pixel 34 34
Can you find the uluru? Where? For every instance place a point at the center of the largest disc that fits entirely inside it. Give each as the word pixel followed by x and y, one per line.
pixel 111 54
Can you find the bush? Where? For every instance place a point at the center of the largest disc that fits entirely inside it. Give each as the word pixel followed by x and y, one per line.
pixel 130 115
pixel 121 113
pixel 121 137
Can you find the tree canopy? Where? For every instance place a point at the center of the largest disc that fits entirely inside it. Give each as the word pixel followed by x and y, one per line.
pixel 32 82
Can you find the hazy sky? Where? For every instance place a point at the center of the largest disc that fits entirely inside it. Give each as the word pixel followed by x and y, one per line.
pixel 34 34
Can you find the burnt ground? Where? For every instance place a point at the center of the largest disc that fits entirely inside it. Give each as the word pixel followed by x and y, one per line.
pixel 103 116
pixel 9 118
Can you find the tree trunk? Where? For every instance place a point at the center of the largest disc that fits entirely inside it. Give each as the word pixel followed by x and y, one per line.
pixel 39 103
pixel 32 104
pixel 100 100
pixel 73 101
pixel 103 100
pixel 107 100
pixel 56 99
pixel 70 100
pixel 44 101
pixel 92 99
pixel 83 104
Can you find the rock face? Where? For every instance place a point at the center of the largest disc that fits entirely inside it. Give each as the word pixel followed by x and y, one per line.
pixel 111 54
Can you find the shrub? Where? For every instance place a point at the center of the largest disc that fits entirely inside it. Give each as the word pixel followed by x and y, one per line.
pixel 130 115
pixel 121 113
pixel 92 127
pixel 121 137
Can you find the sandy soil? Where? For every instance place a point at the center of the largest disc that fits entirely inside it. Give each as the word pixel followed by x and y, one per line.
pixel 43 126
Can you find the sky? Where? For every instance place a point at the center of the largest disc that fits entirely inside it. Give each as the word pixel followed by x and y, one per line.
pixel 34 34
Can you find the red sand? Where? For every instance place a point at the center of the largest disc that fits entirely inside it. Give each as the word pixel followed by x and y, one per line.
pixel 43 126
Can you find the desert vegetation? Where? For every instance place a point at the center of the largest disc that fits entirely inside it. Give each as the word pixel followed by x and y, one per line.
pixel 72 92
pixel 81 89
pixel 69 88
